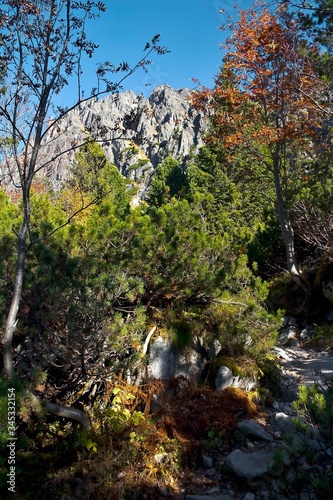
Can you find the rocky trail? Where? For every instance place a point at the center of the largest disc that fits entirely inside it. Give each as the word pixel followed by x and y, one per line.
pixel 272 460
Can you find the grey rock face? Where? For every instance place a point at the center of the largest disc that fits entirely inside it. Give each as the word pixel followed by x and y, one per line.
pixel 161 360
pixel 136 133
pixel 165 363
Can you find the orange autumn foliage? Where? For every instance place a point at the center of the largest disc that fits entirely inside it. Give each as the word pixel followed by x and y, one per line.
pixel 266 93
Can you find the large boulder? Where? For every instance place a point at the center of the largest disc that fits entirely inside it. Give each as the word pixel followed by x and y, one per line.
pixel 165 362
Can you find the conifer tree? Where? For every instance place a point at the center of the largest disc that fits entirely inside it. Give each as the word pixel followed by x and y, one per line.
pixel 268 104
pixel 42 46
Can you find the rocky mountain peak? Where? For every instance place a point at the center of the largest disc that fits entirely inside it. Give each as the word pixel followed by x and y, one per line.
pixel 136 132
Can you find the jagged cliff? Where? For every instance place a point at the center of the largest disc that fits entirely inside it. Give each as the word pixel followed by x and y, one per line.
pixel 135 132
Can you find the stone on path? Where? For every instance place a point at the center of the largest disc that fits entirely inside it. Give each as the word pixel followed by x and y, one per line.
pixel 249 465
pixel 252 429
pixel 283 422
pixel 208 497
pixel 249 496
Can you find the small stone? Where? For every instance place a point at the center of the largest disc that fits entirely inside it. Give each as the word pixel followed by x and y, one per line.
pixel 287 335
pixel 282 422
pixel 252 428
pixel 305 334
pixel 214 490
pixel 208 497
pixel 224 378
pixel 306 466
pixel 249 496
pixel 160 457
pixel 207 461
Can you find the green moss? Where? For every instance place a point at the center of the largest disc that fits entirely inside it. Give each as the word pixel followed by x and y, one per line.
pixel 143 161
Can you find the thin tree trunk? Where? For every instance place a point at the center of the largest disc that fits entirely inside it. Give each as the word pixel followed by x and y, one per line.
pixel 287 230
pixel 15 303
pixel 11 322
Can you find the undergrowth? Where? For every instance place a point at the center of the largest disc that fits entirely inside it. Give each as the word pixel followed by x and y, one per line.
pixel 141 441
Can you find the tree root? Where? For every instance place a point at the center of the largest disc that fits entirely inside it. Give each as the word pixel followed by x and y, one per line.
pixel 63 411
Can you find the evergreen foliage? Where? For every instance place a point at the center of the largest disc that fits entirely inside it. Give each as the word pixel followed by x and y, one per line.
pixel 193 260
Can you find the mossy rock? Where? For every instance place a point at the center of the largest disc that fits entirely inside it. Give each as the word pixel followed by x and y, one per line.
pixel 240 367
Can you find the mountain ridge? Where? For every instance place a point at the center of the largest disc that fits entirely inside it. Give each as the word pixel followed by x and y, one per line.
pixel 135 132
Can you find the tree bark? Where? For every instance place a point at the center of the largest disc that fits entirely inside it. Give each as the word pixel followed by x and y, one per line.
pixel 15 303
pixel 11 322
pixel 287 229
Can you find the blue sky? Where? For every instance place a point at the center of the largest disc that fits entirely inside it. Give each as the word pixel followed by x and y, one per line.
pixel 188 28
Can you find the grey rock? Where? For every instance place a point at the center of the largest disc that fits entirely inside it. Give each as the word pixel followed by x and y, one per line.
pixel 288 335
pixel 165 363
pixel 305 334
pixel 283 423
pixel 215 490
pixel 224 378
pixel 252 429
pixel 249 465
pixel 208 497
pixel 327 287
pixel 161 360
pixel 207 461
pixel 159 458
pixel 214 348
pixel 249 496
pixel 189 364
pixel 135 132
pixel 285 407
pixel 289 395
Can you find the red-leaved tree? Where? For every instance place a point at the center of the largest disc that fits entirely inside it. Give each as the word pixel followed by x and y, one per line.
pixel 269 106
